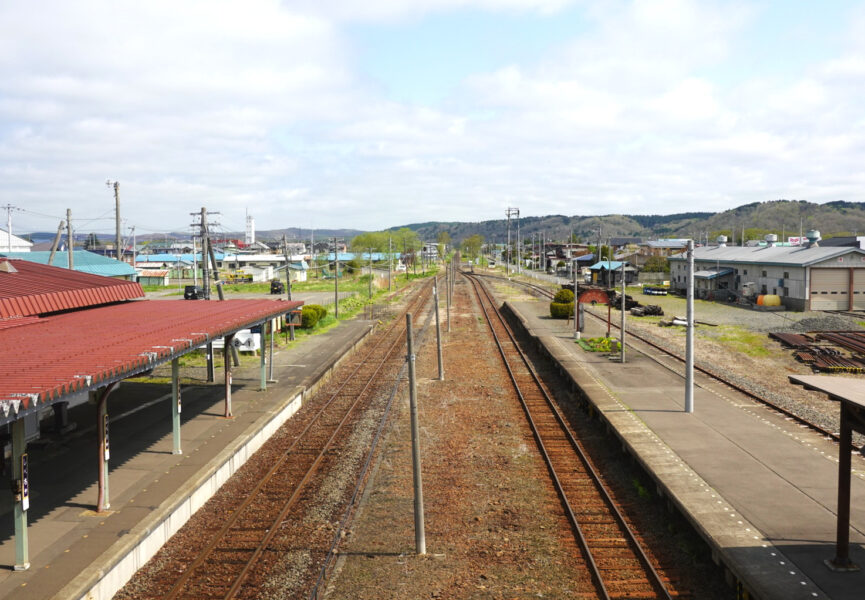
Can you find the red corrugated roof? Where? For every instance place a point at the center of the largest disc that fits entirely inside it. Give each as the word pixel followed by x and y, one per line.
pixel 56 355
pixel 36 289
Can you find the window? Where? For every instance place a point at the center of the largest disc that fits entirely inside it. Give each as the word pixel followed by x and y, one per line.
pixel 744 271
pixel 786 291
pixel 786 275
pixel 763 273
pixel 763 290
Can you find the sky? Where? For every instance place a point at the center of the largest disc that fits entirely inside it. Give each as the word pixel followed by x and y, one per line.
pixel 381 113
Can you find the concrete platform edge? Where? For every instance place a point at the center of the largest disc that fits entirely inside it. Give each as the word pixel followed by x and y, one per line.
pixel 674 480
pixel 118 564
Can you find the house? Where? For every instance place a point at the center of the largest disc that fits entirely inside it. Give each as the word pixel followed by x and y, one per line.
pixel 13 243
pixel 810 277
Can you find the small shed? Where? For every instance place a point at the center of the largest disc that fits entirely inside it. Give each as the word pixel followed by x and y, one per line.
pixel 153 277
pixel 609 272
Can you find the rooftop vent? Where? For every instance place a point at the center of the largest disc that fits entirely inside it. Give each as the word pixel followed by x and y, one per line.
pixel 771 238
pixel 813 237
pixel 722 241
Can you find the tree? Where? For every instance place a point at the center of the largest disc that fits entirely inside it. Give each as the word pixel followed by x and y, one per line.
pixel 91 242
pixel 444 240
pixel 657 264
pixel 406 241
pixel 472 245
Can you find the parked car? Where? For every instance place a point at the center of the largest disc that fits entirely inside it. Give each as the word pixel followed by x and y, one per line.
pixel 193 292
pixel 277 287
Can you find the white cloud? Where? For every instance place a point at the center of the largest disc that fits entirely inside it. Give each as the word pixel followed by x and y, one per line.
pixel 261 105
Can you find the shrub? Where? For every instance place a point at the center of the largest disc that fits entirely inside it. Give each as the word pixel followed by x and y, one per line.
pixel 562 310
pixel 563 297
pixel 311 314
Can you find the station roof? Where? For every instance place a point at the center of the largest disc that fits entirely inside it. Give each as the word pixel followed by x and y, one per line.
pixel 841 389
pixel 46 359
pixel 31 288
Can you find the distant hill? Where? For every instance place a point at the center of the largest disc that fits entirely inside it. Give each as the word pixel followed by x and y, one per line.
pixel 783 217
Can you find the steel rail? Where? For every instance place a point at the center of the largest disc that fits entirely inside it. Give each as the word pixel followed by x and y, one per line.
pixel 708 372
pixel 652 577
pixel 206 552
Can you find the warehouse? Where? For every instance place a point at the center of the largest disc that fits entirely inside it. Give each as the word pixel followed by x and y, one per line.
pixel 809 277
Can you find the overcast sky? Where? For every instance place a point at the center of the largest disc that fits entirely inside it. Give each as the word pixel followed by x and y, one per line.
pixel 374 113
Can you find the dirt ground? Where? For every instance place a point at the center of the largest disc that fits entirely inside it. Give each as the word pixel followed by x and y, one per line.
pixel 494 526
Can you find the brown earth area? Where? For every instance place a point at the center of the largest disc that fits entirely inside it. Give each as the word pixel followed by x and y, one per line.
pixel 494 525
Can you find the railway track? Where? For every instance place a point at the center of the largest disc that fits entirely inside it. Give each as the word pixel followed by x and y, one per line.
pixel 618 565
pixel 242 547
pixel 708 372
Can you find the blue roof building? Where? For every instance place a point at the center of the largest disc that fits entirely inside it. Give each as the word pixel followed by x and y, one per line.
pixel 82 261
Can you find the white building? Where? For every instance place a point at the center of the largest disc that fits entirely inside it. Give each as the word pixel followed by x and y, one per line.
pixel 810 277
pixel 17 244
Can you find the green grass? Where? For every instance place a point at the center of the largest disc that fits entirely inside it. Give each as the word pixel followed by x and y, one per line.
pixel 741 340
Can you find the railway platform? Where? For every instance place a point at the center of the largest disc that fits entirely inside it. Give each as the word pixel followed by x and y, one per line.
pixel 76 552
pixel 758 487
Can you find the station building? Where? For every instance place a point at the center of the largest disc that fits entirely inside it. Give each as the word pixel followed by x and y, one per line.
pixel 808 277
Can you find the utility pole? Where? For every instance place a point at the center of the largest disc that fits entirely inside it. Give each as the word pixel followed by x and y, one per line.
pixel 622 329
pixel 513 212
pixel 389 264
pixel 335 281
pixel 133 247
pixel 70 241
pixel 56 242
pixel 116 185
pixel 9 208
pixel 194 260
pixel 287 288
pixel 689 340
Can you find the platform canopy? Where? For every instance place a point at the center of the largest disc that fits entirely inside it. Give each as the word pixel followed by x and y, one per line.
pixel 43 360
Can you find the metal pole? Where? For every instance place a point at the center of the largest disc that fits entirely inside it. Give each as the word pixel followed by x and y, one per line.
pixel 70 240
pixel 842 543
pixel 263 352
pixel 622 330
pixel 438 329
pixel 103 502
pixel 229 342
pixel 270 359
pixel 508 261
pixel 22 502
pixel 419 535
pixel 576 304
pixel 175 405
pixel 689 331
